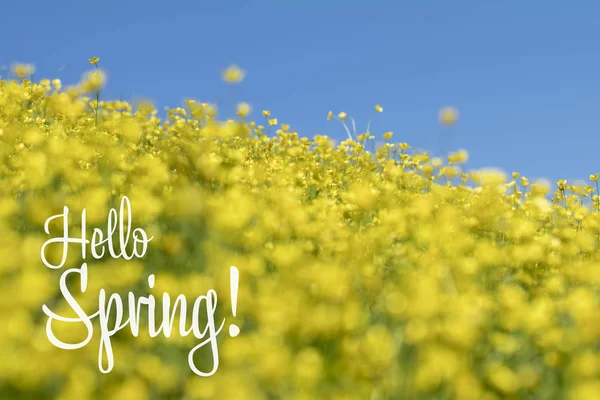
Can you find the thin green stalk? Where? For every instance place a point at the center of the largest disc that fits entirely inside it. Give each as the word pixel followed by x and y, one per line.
pixel 353 126
pixel 345 127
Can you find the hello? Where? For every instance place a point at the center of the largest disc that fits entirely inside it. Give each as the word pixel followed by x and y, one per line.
pixel 100 242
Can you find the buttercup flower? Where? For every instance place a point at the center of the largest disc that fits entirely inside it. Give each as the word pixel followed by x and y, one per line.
pixel 23 70
pixel 448 116
pixel 233 74
pixel 243 109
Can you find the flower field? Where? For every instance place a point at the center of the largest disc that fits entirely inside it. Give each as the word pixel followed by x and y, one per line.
pixel 363 275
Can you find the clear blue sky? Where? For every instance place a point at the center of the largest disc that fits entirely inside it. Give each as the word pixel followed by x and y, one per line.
pixel 525 75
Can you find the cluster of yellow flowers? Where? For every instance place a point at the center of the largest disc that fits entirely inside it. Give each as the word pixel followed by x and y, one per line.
pixel 363 275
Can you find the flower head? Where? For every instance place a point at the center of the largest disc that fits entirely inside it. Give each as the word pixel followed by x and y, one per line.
pixel 94 60
pixel 448 116
pixel 233 74
pixel 562 184
pixel 23 70
pixel 93 81
pixel 243 109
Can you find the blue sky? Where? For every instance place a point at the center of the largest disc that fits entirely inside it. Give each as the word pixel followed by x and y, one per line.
pixel 525 75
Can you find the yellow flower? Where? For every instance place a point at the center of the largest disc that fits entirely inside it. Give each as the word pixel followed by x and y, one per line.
pixel 243 109
pixel 342 115
pixel 94 60
pixel 594 178
pixel 57 84
pixel 562 184
pixel 329 115
pixel 266 113
pixel 387 135
pixel 503 378
pixel 273 121
pixel 363 137
pixel 23 70
pixel 378 108
pixel 448 115
pixel 436 162
pixel 233 74
pixel 93 81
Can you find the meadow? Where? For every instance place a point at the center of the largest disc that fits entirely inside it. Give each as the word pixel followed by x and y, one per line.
pixel 365 273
